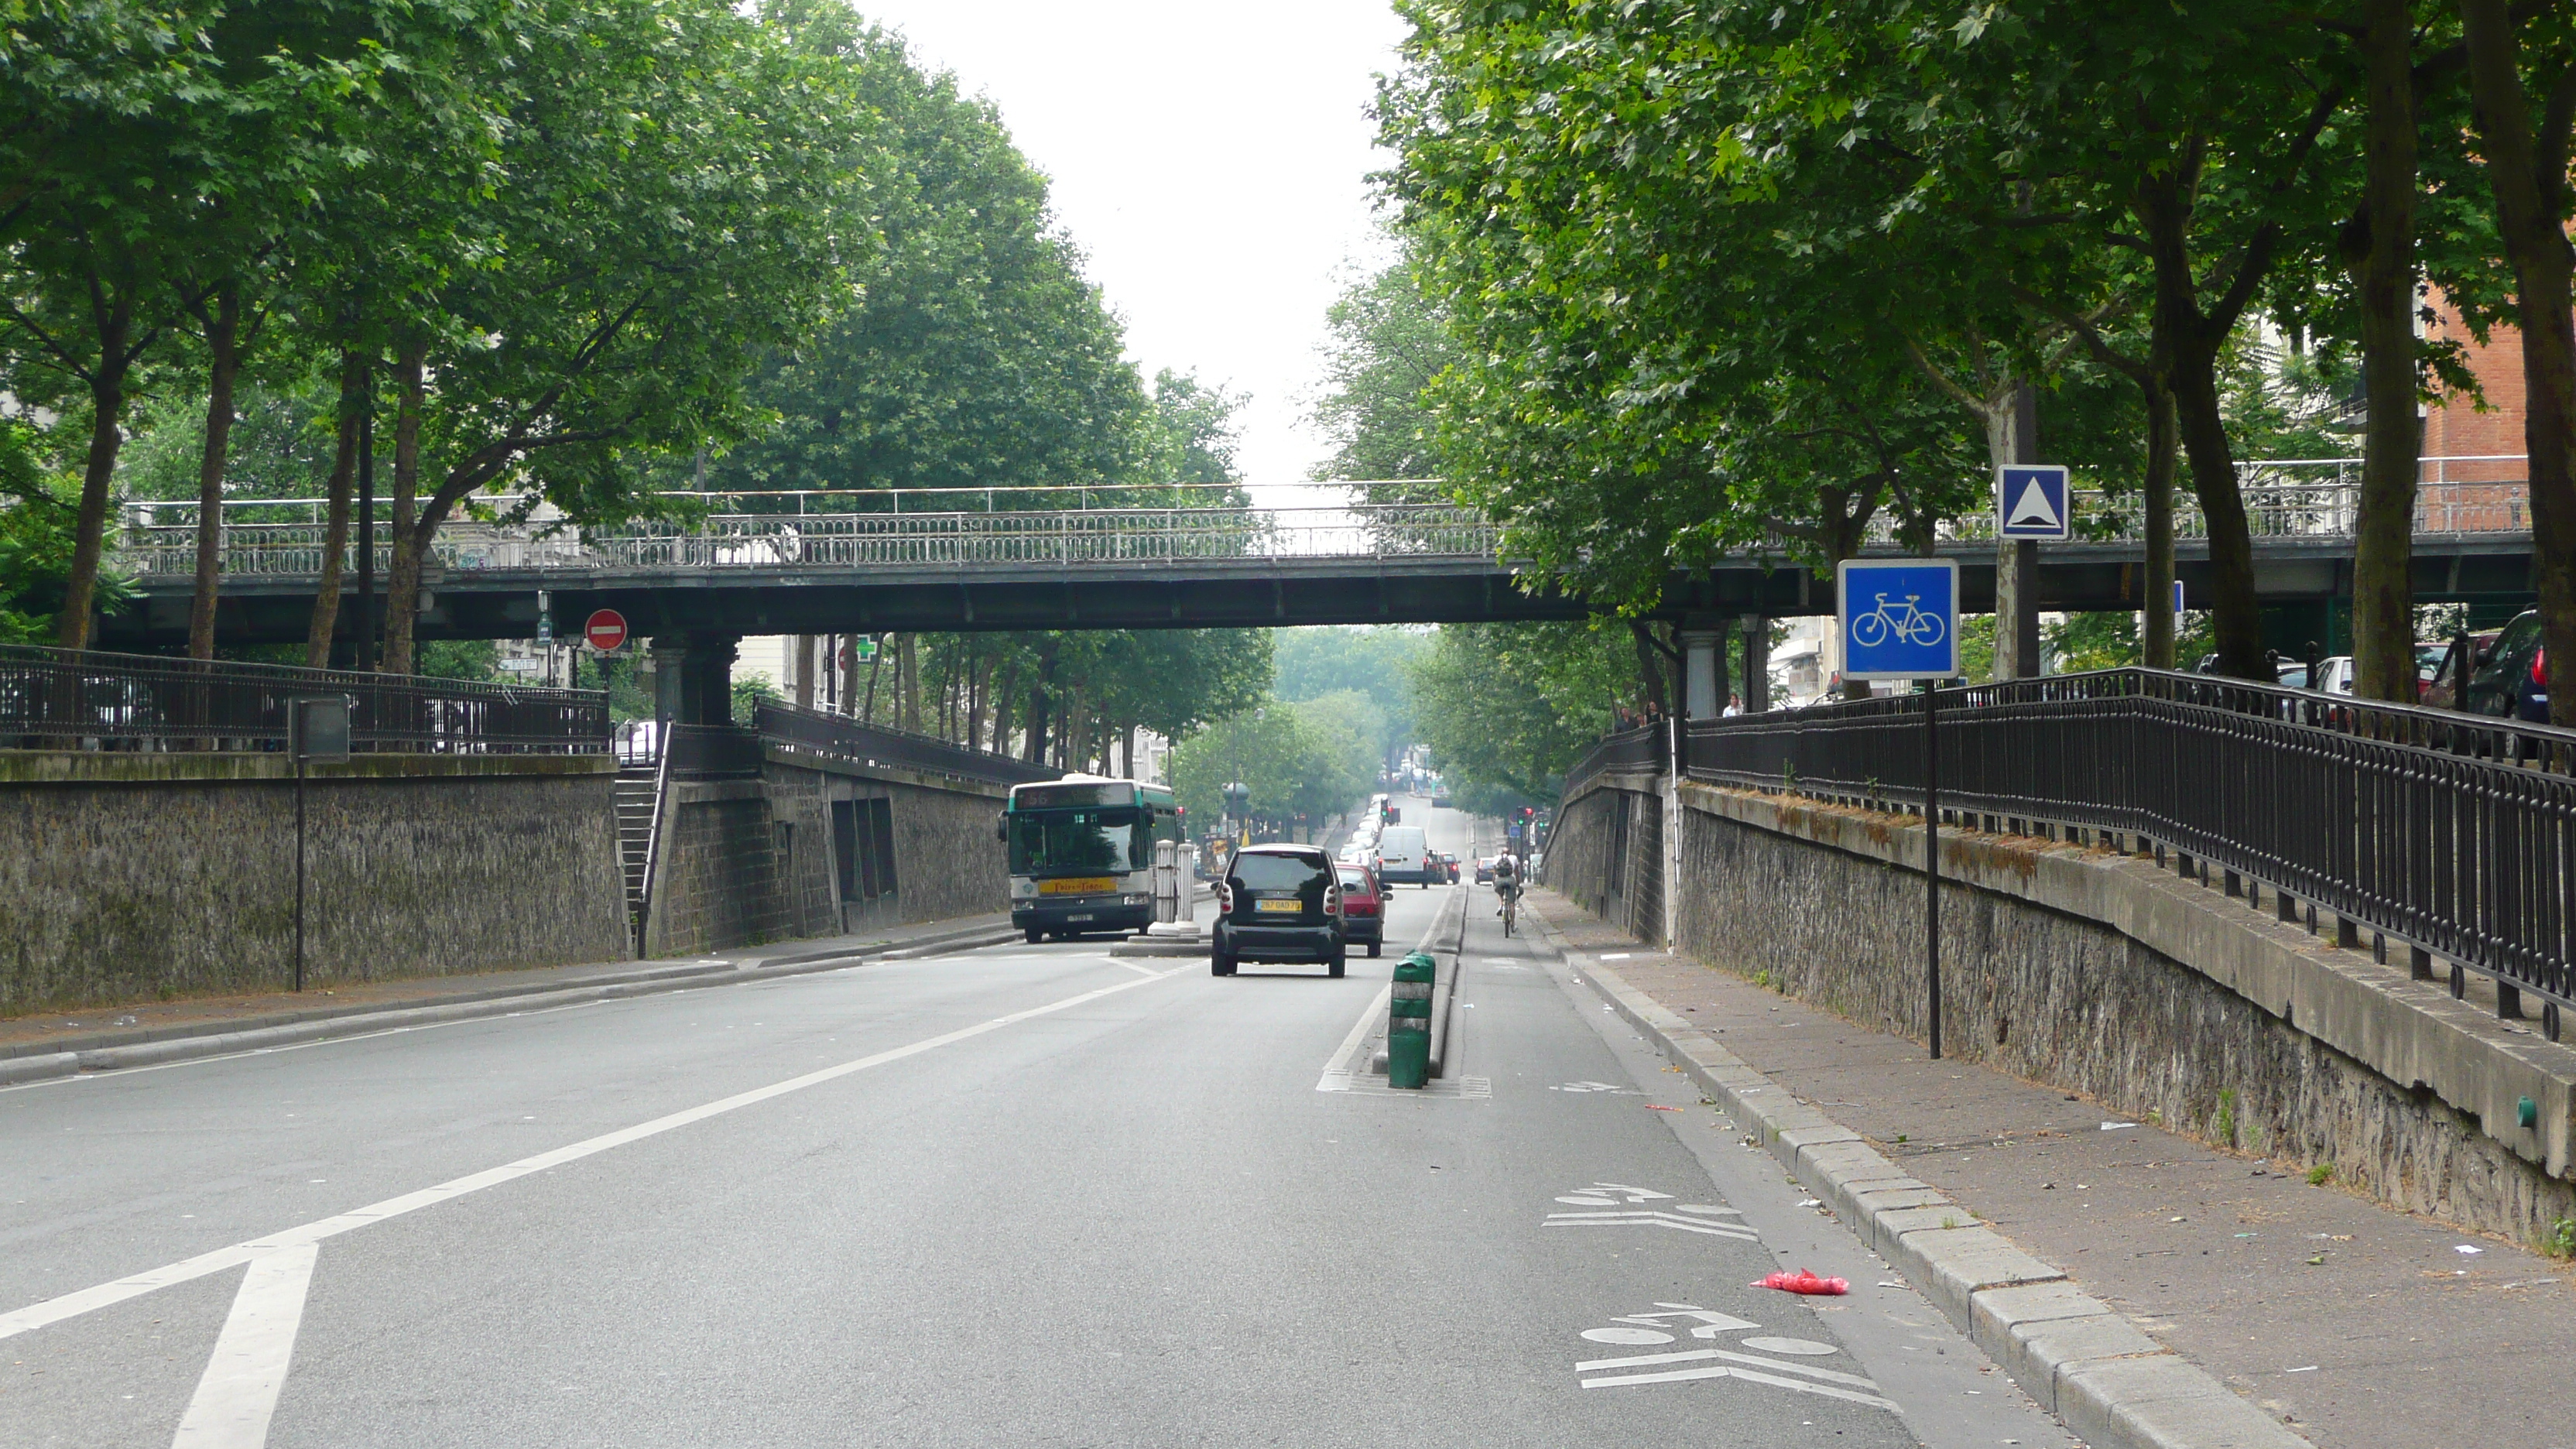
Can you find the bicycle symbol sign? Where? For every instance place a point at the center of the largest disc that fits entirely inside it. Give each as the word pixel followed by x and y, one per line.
pixel 1900 618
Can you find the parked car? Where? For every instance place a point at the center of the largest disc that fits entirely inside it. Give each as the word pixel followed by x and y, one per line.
pixel 2512 677
pixel 1279 903
pixel 2334 676
pixel 1363 908
pixel 2444 691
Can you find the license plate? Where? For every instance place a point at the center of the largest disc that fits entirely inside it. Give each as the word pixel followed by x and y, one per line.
pixel 1083 917
pixel 1077 886
pixel 1281 908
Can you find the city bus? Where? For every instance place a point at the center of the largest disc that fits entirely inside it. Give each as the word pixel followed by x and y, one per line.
pixel 1082 854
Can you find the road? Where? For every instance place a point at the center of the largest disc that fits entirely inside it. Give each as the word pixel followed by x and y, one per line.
pixel 1031 1195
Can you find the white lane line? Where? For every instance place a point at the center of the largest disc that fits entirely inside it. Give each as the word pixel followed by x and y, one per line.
pixel 1649 1220
pixel 239 1392
pixel 1132 966
pixel 1338 1068
pixel 87 1300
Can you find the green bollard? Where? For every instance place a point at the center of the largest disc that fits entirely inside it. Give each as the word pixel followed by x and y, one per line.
pixel 1408 1022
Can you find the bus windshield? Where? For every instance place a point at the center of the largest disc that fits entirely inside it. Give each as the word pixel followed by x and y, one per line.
pixel 1050 842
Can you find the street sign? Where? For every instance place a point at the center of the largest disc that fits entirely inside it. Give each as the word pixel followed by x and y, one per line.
pixel 1900 618
pixel 2177 598
pixel 2033 501
pixel 318 728
pixel 605 630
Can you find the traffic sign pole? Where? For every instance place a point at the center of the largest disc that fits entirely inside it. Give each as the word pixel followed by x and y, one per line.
pixel 1932 857
pixel 1900 620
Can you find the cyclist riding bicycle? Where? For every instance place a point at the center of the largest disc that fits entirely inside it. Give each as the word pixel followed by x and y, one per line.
pixel 1507 882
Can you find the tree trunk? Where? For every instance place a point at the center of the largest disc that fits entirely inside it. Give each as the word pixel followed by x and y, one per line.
pixel 223 364
pixel 804 671
pixel 2231 544
pixel 2164 442
pixel 106 435
pixel 1650 670
pixel 1041 706
pixel 876 661
pixel 2528 174
pixel 410 538
pixel 1004 695
pixel 1127 755
pixel 2379 249
pixel 907 685
pixel 2012 429
pixel 335 534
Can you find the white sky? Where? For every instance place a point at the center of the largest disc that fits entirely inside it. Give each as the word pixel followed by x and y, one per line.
pixel 1210 157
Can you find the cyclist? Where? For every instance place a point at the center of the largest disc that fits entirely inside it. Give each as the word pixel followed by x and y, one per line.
pixel 1507 885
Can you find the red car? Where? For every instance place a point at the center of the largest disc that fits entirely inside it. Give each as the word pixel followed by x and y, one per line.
pixel 1363 907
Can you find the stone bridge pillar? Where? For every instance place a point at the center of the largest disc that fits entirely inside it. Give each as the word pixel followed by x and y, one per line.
pixel 1703 669
pixel 693 677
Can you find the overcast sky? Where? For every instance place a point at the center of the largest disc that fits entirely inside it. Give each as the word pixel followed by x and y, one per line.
pixel 1210 157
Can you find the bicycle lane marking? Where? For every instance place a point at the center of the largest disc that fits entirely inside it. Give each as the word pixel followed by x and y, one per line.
pixel 106 1295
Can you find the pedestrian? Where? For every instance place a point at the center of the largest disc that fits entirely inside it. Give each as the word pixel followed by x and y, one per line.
pixel 1734 707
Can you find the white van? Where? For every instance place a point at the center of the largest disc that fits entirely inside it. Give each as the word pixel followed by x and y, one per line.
pixel 1403 857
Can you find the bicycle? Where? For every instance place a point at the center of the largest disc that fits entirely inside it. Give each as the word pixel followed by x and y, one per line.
pixel 1913 626
pixel 1511 909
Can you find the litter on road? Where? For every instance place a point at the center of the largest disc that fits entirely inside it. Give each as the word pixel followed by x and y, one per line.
pixel 1805 1281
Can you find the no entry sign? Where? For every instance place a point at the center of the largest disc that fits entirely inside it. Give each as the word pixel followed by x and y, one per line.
pixel 605 630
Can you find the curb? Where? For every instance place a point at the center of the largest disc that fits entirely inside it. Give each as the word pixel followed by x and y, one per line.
pixel 18 1071
pixel 2114 1387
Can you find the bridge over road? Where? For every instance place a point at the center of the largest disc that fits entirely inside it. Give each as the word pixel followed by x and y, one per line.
pixel 770 563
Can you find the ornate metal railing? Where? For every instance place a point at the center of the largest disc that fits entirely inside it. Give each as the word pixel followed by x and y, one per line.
pixel 2454 834
pixel 990 528
pixel 59 699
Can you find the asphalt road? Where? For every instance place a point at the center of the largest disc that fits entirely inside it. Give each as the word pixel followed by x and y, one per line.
pixel 1027 1195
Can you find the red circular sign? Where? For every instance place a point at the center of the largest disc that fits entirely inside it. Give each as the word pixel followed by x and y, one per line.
pixel 605 630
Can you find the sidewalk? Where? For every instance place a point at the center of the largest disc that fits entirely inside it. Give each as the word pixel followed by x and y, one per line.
pixel 109 1027
pixel 2358 1326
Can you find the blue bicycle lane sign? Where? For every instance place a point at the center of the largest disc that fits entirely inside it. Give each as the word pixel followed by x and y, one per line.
pixel 1900 618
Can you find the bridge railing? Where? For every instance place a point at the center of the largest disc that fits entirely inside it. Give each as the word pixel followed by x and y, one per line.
pixel 1645 749
pixel 846 528
pixel 2454 834
pixel 768 541
pixel 54 699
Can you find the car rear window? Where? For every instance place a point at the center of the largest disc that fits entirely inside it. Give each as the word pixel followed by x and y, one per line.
pixel 1274 872
pixel 1353 880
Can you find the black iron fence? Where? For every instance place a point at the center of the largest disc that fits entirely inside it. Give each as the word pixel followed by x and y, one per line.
pixel 55 699
pixel 812 732
pixel 2452 834
pixel 1646 749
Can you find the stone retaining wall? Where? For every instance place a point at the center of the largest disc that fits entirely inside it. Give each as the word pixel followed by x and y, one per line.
pixel 130 877
pixel 2105 974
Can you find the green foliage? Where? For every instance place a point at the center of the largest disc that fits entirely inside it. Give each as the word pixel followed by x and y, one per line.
pixel 2321 1174
pixel 2080 642
pixel 2560 1241
pixel 1372 661
pixel 1295 759
pixel 39 507
pixel 1509 707
pixel 1387 344
pixel 475 659
pixel 2223 1127
pixel 751 692
pixel 968 351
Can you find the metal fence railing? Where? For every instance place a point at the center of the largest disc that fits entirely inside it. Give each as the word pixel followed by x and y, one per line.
pixel 2294 499
pixel 65 700
pixel 1646 749
pixel 811 732
pixel 2452 833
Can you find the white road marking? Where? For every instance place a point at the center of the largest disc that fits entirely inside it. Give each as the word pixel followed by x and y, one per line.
pixel 1795 1347
pixel 1132 966
pixel 239 1391
pixel 1339 1068
pixel 1702 1355
pixel 1716 1371
pixel 87 1300
pixel 1634 1219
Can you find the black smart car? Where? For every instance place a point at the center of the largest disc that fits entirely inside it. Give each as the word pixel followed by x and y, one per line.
pixel 1279 903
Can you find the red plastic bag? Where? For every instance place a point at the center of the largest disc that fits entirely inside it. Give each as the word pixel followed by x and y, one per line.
pixel 1805 1281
